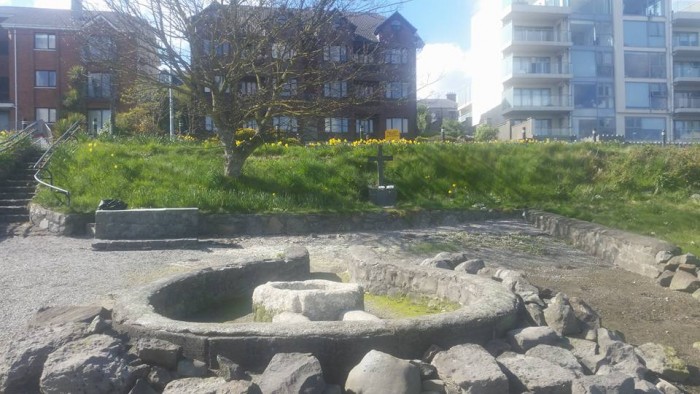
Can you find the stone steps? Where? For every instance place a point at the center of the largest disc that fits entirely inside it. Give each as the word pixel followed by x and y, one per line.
pixel 16 192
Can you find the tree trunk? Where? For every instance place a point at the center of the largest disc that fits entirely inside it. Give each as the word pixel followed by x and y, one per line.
pixel 233 166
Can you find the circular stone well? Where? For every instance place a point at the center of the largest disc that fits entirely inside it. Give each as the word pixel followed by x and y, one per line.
pixel 319 300
pixel 160 309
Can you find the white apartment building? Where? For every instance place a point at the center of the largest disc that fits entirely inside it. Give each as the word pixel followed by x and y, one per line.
pixel 569 67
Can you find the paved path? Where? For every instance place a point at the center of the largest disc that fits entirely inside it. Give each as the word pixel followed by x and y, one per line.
pixel 44 270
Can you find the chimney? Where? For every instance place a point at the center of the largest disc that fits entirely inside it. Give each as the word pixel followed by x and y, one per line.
pixel 77 7
pixel 452 97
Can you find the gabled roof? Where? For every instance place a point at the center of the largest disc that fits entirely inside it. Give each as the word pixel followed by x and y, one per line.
pixel 395 16
pixel 47 18
pixel 366 23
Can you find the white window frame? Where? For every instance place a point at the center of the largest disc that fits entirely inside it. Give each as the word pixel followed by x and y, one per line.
pixel 248 87
pixel 364 125
pixel 45 41
pixel 48 115
pixel 400 124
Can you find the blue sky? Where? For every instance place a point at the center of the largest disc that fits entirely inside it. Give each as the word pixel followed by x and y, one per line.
pixel 443 64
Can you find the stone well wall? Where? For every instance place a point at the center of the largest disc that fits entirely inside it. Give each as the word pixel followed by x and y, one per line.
pixel 160 223
pixel 488 308
pixel 59 223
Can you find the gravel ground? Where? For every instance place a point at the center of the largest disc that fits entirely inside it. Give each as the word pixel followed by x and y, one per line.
pixel 41 270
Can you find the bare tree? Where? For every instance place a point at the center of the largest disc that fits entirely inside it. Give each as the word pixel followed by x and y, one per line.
pixel 273 65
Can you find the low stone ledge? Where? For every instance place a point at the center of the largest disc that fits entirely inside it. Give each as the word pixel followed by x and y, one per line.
pixel 141 224
pixel 59 223
pixel 632 252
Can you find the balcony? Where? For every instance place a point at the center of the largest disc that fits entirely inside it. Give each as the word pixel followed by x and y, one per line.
pixel 687 76
pixel 686 13
pixel 526 106
pixel 537 72
pixel 686 105
pixel 686 49
pixel 528 40
pixel 548 11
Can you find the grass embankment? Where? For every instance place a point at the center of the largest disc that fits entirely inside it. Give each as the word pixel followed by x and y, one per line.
pixel 11 158
pixel 644 189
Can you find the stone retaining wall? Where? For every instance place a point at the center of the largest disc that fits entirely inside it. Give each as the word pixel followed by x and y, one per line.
pixel 300 224
pixel 632 252
pixel 160 223
pixel 59 223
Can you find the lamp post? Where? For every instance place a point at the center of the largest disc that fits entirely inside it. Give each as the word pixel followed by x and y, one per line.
pixel 594 133
pixel 442 133
pixel 663 137
pixel 524 134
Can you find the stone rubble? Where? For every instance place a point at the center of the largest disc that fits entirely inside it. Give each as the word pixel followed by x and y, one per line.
pixel 560 346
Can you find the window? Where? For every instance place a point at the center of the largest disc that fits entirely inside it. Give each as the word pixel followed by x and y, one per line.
pixel 531 65
pixel 643 7
pixel 686 99
pixel 285 124
pixel 590 63
pixel 591 34
pixel 335 89
pixel 531 97
pixel 396 56
pixel 248 87
pixel 251 124
pixel 591 7
pixel 400 124
pixel 99 85
pixel 591 95
pixel 289 88
pixel 686 70
pixel 48 115
pixel 645 64
pixel 364 126
pixel 396 90
pixel 639 128
pixel 282 51
pixel 644 34
pixel 646 95
pixel 686 130
pixel 219 83
pixel 530 33
pixel 45 79
pixel 337 125
pixel 223 49
pixel 335 54
pixel 209 123
pixel 365 90
pixel 100 48
pixel 99 119
pixel 685 39
pixel 44 41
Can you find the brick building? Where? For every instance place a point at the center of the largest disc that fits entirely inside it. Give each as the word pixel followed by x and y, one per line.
pixel 368 62
pixel 38 49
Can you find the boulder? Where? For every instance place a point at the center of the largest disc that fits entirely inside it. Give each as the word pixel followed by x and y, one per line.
pixel 621 357
pixel 292 373
pixel 535 314
pixel 645 387
pixel 158 352
pixel 214 385
pixel 587 317
pixel 696 294
pixel 521 340
pixel 586 353
pixel 472 369
pixel 560 316
pixel 663 257
pixel 687 258
pixel 229 370
pixel 689 268
pixel 558 356
pixel 192 368
pixel 684 281
pixel 433 386
pixel 496 347
pixel 470 266
pixel 615 383
pixel 57 315
pixel 427 370
pixel 94 364
pixel 159 377
pixel 667 388
pixel 433 263
pixel 664 280
pixel 535 374
pixel 452 258
pixel 663 361
pixel 99 325
pixel 142 387
pixel 383 373
pixel 520 286
pixel 22 360
pixel 359 316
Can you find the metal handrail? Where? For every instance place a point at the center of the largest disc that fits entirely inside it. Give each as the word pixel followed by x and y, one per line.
pixel 40 164
pixel 13 140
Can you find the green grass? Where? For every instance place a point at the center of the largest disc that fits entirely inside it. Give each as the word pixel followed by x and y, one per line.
pixel 405 307
pixel 641 189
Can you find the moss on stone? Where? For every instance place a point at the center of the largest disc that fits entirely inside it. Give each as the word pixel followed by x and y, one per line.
pixel 386 306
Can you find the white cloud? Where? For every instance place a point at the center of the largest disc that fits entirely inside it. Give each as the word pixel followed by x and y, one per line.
pixel 442 68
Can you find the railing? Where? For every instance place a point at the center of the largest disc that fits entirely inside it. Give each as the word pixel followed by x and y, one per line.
pixel 536 68
pixel 16 138
pixel 539 102
pixel 686 102
pixel 563 132
pixel 40 165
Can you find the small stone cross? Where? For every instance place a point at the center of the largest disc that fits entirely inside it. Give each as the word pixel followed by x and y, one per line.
pixel 380 159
